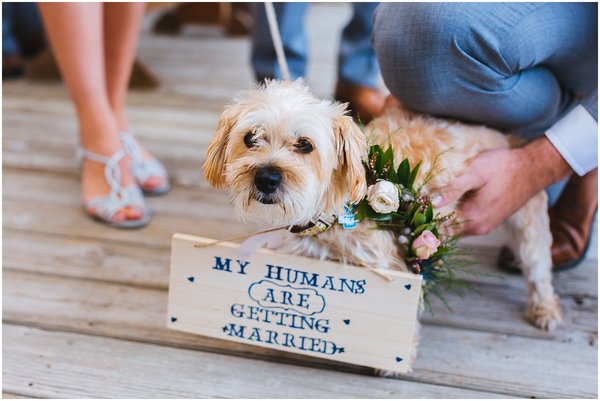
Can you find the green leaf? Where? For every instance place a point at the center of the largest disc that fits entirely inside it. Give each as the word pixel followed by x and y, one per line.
pixel 388 156
pixel 379 160
pixel 429 213
pixel 420 229
pixel 375 149
pixel 413 175
pixel 403 172
pixel 392 176
pixel 418 219
pixel 364 211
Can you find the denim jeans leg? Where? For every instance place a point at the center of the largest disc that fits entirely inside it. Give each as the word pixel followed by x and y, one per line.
pixel 513 66
pixel 290 18
pixel 357 63
pixel 9 42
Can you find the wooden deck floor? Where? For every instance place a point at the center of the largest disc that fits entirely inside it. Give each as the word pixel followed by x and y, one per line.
pixel 84 305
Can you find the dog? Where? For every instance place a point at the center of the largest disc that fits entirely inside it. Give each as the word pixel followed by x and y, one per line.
pixel 288 157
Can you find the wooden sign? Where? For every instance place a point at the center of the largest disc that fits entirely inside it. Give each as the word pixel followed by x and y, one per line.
pixel 293 303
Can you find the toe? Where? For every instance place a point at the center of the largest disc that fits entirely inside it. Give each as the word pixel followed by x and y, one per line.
pixel 153 182
pixel 120 215
pixel 133 212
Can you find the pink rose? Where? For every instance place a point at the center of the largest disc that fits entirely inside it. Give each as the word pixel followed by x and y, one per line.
pixel 425 245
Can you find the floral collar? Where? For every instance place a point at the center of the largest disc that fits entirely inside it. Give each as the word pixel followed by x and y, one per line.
pixel 394 203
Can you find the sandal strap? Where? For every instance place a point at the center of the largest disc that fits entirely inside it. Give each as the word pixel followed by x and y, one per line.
pixel 147 169
pixel 142 170
pixel 106 206
pixel 112 170
pixel 131 148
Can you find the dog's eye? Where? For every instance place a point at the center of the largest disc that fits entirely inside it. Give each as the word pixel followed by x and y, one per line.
pixel 249 140
pixel 303 146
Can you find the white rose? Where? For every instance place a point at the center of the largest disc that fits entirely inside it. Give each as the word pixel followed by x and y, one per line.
pixel 383 197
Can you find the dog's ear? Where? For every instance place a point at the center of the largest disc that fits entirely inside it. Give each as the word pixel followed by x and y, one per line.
pixel 351 148
pixel 214 166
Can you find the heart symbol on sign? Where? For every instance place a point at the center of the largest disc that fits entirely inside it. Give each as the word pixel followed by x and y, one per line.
pixel 191 279
pixel 398 359
pixel 347 321
pixel 173 319
pixel 408 286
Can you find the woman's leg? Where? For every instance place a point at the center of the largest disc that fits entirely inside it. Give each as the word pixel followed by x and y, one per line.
pixel 75 32
pixel 122 23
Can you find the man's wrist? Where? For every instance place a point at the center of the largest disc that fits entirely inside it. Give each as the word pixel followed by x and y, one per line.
pixel 542 162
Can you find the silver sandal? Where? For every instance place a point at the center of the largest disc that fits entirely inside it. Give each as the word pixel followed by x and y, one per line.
pixel 144 169
pixel 104 208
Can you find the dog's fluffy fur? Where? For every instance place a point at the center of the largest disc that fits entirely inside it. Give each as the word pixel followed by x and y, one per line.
pixel 278 114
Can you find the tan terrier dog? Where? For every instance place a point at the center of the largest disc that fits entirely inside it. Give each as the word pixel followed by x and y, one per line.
pixel 289 158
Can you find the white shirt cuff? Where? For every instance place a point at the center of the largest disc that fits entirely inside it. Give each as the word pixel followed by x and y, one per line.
pixel 575 136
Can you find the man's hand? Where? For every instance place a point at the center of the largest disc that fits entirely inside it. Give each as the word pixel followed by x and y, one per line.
pixel 499 181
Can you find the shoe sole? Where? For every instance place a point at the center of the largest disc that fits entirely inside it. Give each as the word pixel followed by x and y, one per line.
pixel 158 191
pixel 127 224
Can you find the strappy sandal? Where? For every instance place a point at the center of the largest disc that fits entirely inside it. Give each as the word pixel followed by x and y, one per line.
pixel 105 208
pixel 144 169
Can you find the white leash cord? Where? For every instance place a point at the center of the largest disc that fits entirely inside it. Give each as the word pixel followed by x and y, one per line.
pixel 274 28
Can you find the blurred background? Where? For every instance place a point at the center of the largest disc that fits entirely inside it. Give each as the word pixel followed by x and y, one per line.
pixel 180 46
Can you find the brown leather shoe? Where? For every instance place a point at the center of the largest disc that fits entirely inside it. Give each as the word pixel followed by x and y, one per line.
pixel 391 103
pixel 364 102
pixel 12 66
pixel 571 220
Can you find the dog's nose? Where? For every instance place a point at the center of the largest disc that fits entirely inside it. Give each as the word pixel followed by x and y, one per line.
pixel 267 179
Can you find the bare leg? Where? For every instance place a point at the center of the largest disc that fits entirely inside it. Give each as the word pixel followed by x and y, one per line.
pixel 121 31
pixel 122 23
pixel 75 32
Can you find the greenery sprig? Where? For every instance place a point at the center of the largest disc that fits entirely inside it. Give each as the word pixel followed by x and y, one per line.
pixel 396 204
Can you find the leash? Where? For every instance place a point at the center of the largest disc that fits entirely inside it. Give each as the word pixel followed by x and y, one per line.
pixel 277 44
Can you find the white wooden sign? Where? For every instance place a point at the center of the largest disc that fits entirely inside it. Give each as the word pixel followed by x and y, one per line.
pixel 293 304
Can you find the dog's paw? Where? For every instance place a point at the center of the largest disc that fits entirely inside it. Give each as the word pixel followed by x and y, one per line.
pixel 389 374
pixel 545 315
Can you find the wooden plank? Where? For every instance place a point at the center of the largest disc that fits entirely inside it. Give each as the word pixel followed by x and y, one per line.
pixel 91 259
pixel 447 356
pixel 149 120
pixel 163 97
pixel 294 304
pixel 10 395
pixel 52 218
pixel 57 365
